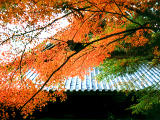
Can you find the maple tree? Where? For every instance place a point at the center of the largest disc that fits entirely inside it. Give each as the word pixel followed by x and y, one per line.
pixel 96 28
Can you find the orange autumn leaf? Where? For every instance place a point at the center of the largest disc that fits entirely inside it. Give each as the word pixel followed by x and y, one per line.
pixel 95 29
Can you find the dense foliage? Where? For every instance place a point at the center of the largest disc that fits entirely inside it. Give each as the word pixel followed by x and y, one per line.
pixel 97 30
pixel 127 57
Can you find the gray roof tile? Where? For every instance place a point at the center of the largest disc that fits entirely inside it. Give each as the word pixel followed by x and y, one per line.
pixel 144 77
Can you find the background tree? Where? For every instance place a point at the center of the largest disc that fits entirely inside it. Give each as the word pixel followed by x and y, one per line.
pixel 97 29
pixel 128 57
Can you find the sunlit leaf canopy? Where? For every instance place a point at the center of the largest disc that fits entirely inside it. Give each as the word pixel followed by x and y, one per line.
pixel 95 29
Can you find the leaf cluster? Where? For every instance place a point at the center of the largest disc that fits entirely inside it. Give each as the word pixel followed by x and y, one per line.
pixel 126 58
pixel 112 68
pixel 148 100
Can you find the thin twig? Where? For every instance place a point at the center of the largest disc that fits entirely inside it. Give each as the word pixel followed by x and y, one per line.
pixel 118 7
pixel 114 14
pixel 126 16
pixel 20 65
pixel 41 28
pixel 48 80
pixel 82 25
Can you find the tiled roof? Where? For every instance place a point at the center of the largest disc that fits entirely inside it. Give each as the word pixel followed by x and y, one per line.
pixel 144 77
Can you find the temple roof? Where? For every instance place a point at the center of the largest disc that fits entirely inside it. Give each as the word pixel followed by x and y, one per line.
pixel 142 78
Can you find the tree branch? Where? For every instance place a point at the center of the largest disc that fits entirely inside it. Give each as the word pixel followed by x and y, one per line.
pixel 41 28
pixel 68 58
pixel 114 34
pixel 82 25
pixel 113 14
